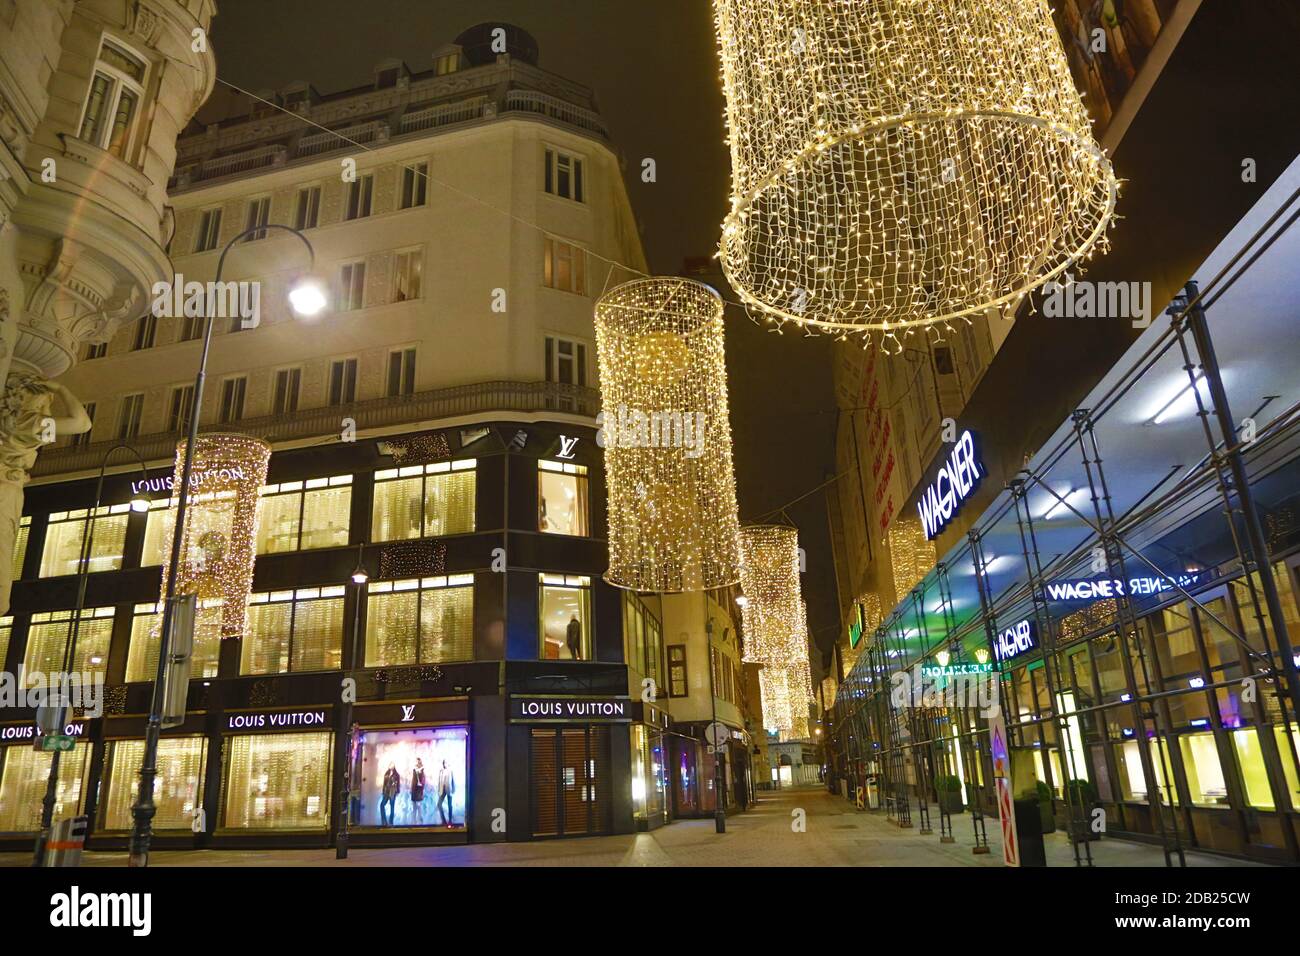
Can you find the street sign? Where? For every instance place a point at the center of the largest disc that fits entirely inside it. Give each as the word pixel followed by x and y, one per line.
pixel 1002 779
pixel 49 743
pixel 717 733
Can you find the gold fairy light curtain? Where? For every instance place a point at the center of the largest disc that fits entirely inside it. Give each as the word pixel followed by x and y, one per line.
pixel 219 545
pixel 902 164
pixel 664 427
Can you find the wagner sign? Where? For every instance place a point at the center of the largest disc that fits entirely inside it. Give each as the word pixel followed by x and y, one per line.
pixel 581 709
pixel 1095 589
pixel 943 497
pixel 1011 642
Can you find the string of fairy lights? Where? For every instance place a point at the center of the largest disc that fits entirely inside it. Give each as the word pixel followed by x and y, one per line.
pixel 901 166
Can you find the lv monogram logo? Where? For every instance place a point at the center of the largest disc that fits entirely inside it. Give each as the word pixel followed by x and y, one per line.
pixel 408 712
pixel 567 445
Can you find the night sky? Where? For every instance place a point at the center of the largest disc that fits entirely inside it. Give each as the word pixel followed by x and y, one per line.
pixel 654 69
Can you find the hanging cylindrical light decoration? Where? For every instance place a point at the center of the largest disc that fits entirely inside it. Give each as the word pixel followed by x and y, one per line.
pixel 899 164
pixel 769 579
pixel 667 438
pixel 220 541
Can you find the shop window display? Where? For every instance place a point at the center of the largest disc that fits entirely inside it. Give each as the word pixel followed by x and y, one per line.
pixel 561 498
pixel 49 634
pixel 420 621
pixel 301 515
pixel 23 781
pixel 62 553
pixel 177 790
pixel 1254 773
pixel 293 631
pixel 424 500
pixel 142 656
pixel 413 777
pixel 278 781
pixel 565 617
pixel 1205 781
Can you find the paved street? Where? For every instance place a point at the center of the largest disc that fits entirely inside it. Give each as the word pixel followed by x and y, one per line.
pixel 836 835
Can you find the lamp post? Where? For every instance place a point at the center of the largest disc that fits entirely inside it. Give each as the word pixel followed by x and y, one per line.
pixel 359 577
pixel 139 502
pixel 307 299
pixel 719 755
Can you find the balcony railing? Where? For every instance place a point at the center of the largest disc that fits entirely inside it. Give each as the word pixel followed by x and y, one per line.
pixel 427 406
pixel 262 157
pixel 443 114
pixel 375 131
pixel 528 101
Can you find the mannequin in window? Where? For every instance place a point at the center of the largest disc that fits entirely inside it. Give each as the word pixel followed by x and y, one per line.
pixel 543 524
pixel 446 787
pixel 392 787
pixel 573 638
pixel 417 792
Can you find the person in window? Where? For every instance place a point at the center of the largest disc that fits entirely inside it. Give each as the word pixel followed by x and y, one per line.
pixel 446 787
pixel 543 524
pixel 574 638
pixel 392 787
pixel 417 792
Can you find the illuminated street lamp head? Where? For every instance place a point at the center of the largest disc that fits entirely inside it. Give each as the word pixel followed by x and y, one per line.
pixel 742 600
pixel 140 503
pixel 359 576
pixel 307 297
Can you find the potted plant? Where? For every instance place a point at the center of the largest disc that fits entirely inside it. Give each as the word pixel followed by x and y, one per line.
pixel 1045 811
pixel 1083 794
pixel 948 787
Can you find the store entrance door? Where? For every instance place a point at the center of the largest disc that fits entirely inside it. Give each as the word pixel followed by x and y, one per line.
pixel 571 780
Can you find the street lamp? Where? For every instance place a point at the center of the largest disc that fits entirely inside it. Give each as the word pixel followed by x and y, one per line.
pixel 359 577
pixel 719 755
pixel 307 298
pixel 139 503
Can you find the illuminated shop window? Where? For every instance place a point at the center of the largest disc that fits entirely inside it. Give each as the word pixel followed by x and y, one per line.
pixel 20 545
pixel 565 625
pixel 6 631
pixel 1254 773
pixel 1286 749
pixel 158 527
pixel 424 501
pixel 23 781
pixel 562 498
pixel 420 621
pixel 146 625
pixel 412 777
pixel 294 631
pixel 277 781
pixel 1205 781
pixel 1133 785
pixel 177 790
pixel 62 554
pixel 49 634
pixel 302 515
pixel 649 788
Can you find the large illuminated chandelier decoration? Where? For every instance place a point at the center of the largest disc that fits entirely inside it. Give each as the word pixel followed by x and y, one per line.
pixel 775 623
pixel 220 541
pixel 900 165
pixel 664 427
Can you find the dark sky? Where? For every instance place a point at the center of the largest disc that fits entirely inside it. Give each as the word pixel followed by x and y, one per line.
pixel 654 69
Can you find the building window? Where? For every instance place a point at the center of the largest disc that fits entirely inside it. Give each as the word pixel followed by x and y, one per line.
pixel 343 381
pixel 352 286
pixel 20 554
pixel 415 185
pixel 564 267
pixel 278 781
pixel 84 437
pixel 401 372
pixel 566 361
pixel 447 63
pixel 178 788
pixel 360 192
pixel 420 621
pixel 426 770
pixel 209 230
pixel 565 626
pixel 288 381
pixel 6 632
pixel 96 350
pixel 157 532
pixel 259 214
pixel 408 269
pixel 232 399
pixel 192 328
pixel 22 787
pixel 293 631
pixel 563 175
pixel 146 332
pixel 146 626
pixel 50 632
pixel 642 639
pixel 113 103
pixel 424 501
pixel 677 682
pixel 303 515
pixel 62 553
pixel 307 208
pixel 1205 781
pixel 128 421
pixel 561 497
pixel 178 414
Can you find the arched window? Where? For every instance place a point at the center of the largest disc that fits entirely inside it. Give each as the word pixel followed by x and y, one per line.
pixel 113 104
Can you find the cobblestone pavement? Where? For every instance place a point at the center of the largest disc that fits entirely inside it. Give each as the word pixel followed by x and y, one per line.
pixel 834 835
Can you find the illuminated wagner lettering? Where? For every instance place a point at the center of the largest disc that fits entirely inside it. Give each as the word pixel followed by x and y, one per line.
pixel 958 477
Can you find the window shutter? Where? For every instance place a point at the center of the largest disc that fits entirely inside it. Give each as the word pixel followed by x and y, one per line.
pixel 379 268
pixel 385 196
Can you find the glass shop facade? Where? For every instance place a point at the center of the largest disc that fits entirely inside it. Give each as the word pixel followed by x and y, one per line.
pixel 1110 602
pixel 490 661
